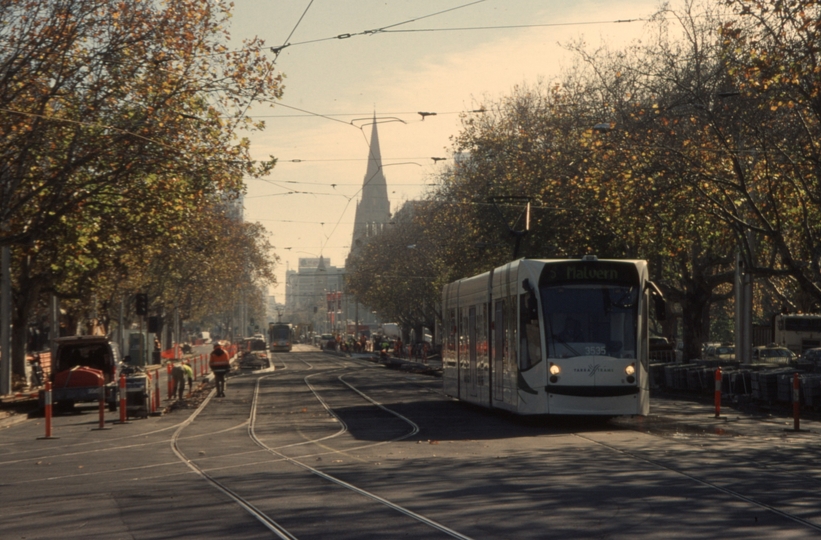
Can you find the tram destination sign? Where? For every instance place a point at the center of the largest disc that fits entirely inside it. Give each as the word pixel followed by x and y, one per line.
pixel 587 271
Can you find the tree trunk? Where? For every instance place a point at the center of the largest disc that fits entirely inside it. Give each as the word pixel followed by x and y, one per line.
pixel 25 300
pixel 695 319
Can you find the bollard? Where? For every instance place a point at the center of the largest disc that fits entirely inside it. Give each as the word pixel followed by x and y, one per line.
pixel 796 404
pixel 47 404
pixel 101 425
pixel 123 402
pixel 155 395
pixel 169 367
pixel 718 393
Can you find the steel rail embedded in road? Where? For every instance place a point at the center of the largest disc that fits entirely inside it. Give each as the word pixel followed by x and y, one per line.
pixel 342 483
pixel 246 505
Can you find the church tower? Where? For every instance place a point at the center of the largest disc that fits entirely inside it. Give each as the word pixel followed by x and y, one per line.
pixel 373 211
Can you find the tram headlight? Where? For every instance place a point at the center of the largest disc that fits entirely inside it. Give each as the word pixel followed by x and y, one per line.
pixel 630 371
pixel 554 373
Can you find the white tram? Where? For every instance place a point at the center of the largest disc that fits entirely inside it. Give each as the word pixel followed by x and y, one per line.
pixel 563 337
pixel 281 337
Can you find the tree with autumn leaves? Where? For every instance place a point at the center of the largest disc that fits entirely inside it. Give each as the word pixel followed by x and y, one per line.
pixel 698 142
pixel 119 128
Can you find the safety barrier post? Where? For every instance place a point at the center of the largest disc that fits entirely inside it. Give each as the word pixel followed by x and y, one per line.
pixel 202 363
pixel 47 404
pixel 169 366
pixel 123 401
pixel 718 393
pixel 102 406
pixel 796 404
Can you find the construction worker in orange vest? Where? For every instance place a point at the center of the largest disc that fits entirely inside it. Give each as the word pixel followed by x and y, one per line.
pixel 220 364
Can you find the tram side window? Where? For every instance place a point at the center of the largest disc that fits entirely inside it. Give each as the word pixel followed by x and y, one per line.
pixel 530 349
pixel 450 349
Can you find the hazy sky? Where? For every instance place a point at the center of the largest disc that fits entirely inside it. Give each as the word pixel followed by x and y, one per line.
pixel 442 56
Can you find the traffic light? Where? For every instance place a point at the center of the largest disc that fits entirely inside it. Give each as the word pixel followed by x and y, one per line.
pixel 141 304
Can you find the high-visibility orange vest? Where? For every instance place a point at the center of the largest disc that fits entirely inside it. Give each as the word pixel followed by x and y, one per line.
pixel 219 360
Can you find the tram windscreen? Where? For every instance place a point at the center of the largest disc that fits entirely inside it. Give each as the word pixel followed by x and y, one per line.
pixel 590 319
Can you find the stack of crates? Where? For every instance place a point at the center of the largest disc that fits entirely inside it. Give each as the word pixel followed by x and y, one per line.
pixel 726 381
pixel 680 376
pixel 765 384
pixel 740 383
pixel 669 375
pixel 785 386
pixel 811 389
pixel 707 377
pixel 657 375
pixel 694 379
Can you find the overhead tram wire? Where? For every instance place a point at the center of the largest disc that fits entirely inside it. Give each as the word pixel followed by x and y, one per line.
pixel 387 30
pixel 277 50
pixel 512 26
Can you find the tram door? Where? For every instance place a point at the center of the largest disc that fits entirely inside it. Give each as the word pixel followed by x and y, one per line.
pixel 472 349
pixel 498 349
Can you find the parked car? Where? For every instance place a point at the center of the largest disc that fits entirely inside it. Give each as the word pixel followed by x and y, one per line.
pixel 662 350
pixel 724 353
pixel 773 354
pixel 812 355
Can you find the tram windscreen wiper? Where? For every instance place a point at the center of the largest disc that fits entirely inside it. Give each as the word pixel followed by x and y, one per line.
pixel 573 351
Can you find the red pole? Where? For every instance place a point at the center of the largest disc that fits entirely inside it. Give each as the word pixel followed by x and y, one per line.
pixel 796 405
pixel 718 393
pixel 123 405
pixel 169 367
pixel 48 409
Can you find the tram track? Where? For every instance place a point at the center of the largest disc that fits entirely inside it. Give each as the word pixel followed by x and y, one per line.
pixel 299 461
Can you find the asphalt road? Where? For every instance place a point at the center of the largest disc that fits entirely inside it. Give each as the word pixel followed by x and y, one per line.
pixel 322 446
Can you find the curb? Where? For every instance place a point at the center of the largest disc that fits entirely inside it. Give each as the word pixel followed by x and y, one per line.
pixel 14 419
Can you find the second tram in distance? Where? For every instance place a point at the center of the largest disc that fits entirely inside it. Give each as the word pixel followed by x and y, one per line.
pixel 563 337
pixel 280 337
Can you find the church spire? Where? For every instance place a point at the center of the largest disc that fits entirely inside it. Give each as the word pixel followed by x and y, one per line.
pixel 373 209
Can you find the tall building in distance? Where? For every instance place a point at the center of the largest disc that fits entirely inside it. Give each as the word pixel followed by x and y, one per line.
pixel 307 293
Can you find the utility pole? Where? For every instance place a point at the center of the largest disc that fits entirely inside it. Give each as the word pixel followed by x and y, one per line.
pixel 743 311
